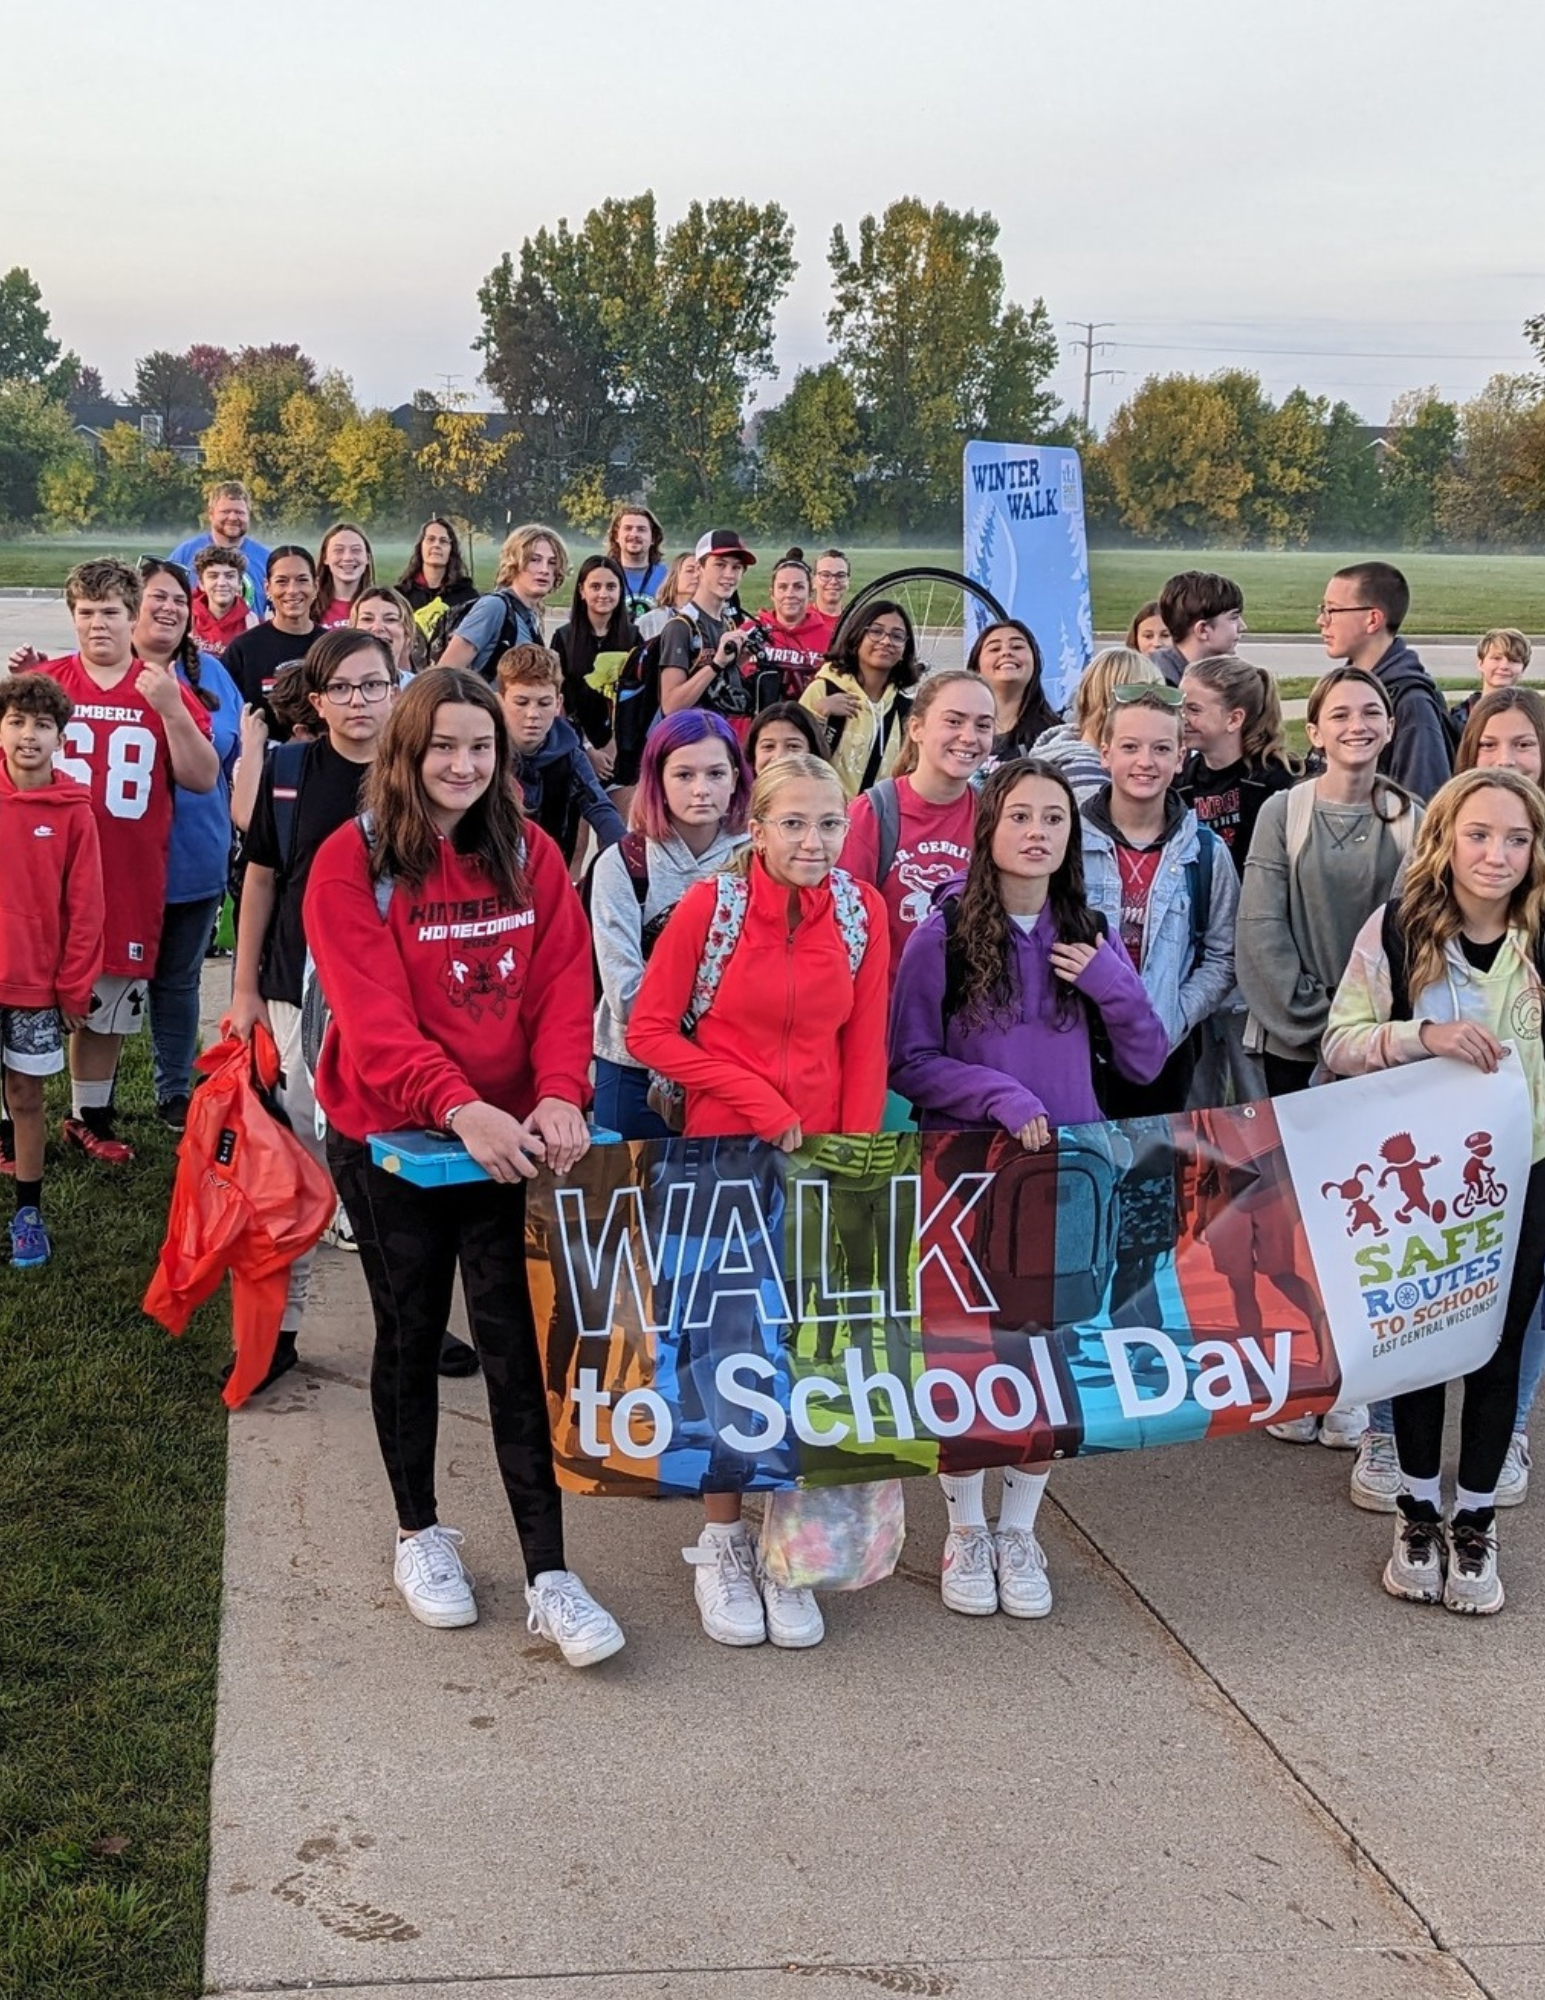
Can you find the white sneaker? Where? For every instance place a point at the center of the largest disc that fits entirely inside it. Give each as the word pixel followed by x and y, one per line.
pixel 1297 1430
pixel 1415 1569
pixel 1376 1478
pixel 561 1609
pixel 428 1572
pixel 1342 1428
pixel 1472 1584
pixel 793 1617
pixel 728 1601
pixel 1513 1482
pixel 340 1231
pixel 1024 1589
pixel 967 1581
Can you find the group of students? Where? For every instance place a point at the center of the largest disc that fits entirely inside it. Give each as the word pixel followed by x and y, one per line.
pixel 930 901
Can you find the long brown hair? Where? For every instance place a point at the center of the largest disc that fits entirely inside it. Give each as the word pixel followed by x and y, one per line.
pixel 406 841
pixel 984 931
pixel 1528 705
pixel 1383 788
pixel 1429 914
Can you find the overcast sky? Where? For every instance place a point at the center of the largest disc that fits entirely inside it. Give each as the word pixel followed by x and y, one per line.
pixel 1346 195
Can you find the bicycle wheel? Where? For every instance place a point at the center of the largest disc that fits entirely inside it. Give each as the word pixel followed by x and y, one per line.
pixel 947 611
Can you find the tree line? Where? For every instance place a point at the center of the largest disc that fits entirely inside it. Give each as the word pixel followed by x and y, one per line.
pixel 625 354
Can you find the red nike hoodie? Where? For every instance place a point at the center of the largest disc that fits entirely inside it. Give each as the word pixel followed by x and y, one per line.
pixel 459 994
pixel 51 908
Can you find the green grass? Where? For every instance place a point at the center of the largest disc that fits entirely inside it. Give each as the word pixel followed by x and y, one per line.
pixel 1449 593
pixel 112 1487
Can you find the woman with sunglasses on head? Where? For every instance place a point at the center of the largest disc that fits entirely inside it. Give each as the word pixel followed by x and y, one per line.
pixel 198 860
pixel 502 1064
pixel 990 1028
pixel 792 1044
pixel 863 695
pixel 1462 951
pixel 1009 660
pixel 1323 857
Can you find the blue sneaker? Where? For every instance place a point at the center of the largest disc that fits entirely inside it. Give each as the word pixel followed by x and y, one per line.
pixel 30 1246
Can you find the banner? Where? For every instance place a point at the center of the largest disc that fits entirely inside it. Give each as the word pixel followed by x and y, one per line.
pixel 719 1315
pixel 1024 540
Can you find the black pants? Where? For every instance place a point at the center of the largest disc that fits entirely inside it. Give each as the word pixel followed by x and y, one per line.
pixel 411 1240
pixel 1166 1093
pixel 1491 1392
pixel 1284 1075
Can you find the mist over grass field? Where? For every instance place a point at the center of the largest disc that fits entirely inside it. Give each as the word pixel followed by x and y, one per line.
pixel 1450 594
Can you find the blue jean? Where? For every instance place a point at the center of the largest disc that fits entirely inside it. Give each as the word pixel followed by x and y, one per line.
pixel 622 1102
pixel 174 992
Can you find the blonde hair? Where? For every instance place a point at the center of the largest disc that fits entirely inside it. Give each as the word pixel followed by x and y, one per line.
pixel 516 553
pixel 785 771
pixel 1429 915
pixel 1509 642
pixel 1117 666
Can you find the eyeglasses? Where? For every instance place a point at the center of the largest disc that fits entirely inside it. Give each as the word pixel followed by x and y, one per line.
pixel 342 693
pixel 833 575
pixel 830 829
pixel 1336 610
pixel 1159 691
pixel 886 635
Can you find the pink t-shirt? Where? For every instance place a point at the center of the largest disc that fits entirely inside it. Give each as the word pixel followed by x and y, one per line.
pixel 934 847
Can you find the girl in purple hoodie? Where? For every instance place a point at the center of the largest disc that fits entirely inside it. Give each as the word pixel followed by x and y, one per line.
pixel 990 1026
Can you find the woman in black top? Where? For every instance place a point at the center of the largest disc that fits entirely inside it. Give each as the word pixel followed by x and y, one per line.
pixel 435 568
pixel 598 623
pixel 254 660
pixel 1009 660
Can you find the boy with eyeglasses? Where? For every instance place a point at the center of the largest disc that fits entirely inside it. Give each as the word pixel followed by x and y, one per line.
pixel 1360 617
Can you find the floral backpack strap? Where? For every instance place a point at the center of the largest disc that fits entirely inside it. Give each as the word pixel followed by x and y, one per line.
pixel 729 916
pixel 852 917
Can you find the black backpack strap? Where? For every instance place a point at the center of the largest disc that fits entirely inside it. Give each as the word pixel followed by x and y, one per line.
pixel 885 801
pixel 954 959
pixel 634 850
pixel 287 767
pixel 1393 939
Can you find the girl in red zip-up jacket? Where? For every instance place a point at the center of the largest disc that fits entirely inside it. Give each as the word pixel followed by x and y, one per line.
pixel 793 1044
pixel 463 1004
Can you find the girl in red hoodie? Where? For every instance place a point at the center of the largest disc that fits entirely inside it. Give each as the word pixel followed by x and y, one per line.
pixel 454 954
pixel 792 1043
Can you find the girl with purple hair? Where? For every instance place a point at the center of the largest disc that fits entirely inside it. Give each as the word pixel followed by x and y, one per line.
pixel 687 818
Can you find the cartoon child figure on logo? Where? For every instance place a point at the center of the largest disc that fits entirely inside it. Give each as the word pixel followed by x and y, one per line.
pixel 1481 1188
pixel 1408 1173
pixel 1361 1213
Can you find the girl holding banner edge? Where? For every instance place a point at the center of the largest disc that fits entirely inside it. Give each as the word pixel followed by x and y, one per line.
pixel 792 1043
pixel 451 946
pixel 987 1029
pixel 1453 969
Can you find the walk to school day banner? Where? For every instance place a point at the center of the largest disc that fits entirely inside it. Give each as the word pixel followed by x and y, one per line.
pixel 1024 541
pixel 718 1314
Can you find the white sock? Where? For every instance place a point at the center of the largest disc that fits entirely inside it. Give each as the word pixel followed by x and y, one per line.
pixel 1425 1489
pixel 1022 1490
pixel 90 1096
pixel 722 1531
pixel 1466 1502
pixel 963 1496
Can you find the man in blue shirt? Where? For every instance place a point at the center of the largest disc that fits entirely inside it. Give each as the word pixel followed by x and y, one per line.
pixel 229 511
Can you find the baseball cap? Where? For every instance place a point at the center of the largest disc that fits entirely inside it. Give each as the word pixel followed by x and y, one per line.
pixel 724 542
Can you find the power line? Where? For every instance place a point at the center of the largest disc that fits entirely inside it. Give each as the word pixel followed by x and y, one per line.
pixel 1316 353
pixel 1091 347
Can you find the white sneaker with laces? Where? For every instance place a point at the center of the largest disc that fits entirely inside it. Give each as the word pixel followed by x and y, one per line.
pixel 1024 1589
pixel 1376 1480
pixel 1415 1568
pixel 967 1579
pixel 793 1617
pixel 1513 1481
pixel 728 1601
pixel 561 1609
pixel 1342 1428
pixel 339 1233
pixel 1297 1430
pixel 429 1573
pixel 1472 1584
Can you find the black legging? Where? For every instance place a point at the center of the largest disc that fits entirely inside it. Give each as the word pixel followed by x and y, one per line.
pixel 1491 1391
pixel 410 1241
pixel 1285 1075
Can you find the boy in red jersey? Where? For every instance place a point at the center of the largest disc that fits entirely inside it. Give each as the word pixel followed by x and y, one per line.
pixel 50 929
pixel 134 733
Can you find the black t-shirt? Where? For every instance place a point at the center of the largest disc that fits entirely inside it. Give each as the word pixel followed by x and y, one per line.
pixel 1482 956
pixel 418 593
pixel 1230 800
pixel 253 661
pixel 327 798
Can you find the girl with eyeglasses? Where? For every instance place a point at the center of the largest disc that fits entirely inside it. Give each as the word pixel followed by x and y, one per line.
pixel 793 1044
pixel 1324 856
pixel 990 1027
pixel 864 695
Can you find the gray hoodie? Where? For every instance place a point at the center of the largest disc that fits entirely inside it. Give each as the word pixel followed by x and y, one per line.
pixel 617 921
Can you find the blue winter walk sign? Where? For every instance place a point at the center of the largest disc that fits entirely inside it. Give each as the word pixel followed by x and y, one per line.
pixel 1025 542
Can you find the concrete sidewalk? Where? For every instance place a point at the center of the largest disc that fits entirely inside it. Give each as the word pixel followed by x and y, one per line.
pixel 1227 1765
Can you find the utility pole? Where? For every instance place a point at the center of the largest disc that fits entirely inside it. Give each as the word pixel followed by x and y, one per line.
pixel 1091 347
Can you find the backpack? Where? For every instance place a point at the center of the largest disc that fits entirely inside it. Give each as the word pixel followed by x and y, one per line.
pixel 517 630
pixel 1199 889
pixel 315 1013
pixel 634 849
pixel 636 697
pixel 669 1099
pixel 886 803
pixel 1049 1226
pixel 1300 817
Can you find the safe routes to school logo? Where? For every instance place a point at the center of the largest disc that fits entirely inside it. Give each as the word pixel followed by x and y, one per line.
pixel 1435 1257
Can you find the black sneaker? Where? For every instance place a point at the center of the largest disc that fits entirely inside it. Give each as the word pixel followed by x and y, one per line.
pixel 173 1112
pixel 456 1358
pixel 285 1358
